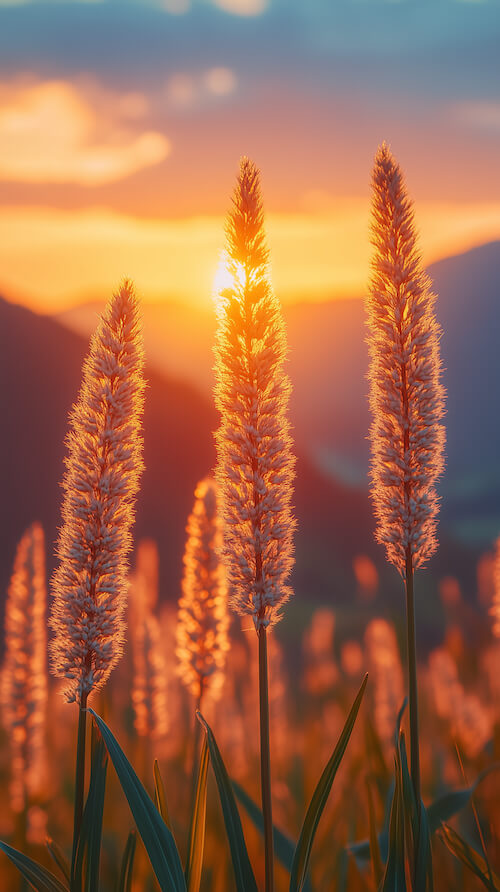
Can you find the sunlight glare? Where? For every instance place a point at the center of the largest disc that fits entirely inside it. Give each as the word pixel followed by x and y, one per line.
pixel 226 279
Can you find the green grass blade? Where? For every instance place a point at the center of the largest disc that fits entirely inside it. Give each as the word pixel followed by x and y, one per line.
pixel 417 827
pixel 394 876
pixel 320 796
pixel 125 881
pixel 449 804
pixel 86 867
pixel 40 878
pixel 245 880
pixel 59 857
pixel 470 857
pixel 157 838
pixel 284 847
pixel 194 861
pixel 442 809
pixel 160 798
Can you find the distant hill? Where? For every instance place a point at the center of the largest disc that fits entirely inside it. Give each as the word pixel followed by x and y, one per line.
pixel 40 374
pixel 40 371
pixel 328 363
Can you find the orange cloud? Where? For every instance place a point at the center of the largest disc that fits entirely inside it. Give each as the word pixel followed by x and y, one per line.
pixel 53 131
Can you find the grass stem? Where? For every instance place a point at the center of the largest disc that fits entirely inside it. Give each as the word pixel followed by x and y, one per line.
pixel 265 759
pixel 412 679
pixel 79 779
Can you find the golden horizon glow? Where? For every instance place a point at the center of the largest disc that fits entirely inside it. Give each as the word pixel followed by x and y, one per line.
pixel 52 259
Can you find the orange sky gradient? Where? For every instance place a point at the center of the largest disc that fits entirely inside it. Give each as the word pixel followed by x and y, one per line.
pixel 109 167
pixel 52 258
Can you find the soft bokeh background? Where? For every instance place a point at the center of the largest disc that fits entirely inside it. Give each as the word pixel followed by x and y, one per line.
pixel 121 127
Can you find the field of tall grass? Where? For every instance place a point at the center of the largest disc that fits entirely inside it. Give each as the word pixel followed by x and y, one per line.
pixel 186 748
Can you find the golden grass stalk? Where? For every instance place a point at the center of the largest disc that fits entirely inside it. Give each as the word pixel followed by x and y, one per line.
pixel 103 468
pixel 406 399
pixel 149 687
pixel 203 620
pixel 24 676
pixel 384 666
pixel 255 466
pixel 255 463
pixel 470 722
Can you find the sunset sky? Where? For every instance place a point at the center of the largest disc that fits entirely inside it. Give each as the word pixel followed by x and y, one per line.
pixel 121 126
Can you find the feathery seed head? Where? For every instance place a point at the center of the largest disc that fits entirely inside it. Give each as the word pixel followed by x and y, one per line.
pixel 24 676
pixel 385 668
pixel 149 689
pixel 203 620
pixel 103 467
pixel 255 467
pixel 470 721
pixel 406 394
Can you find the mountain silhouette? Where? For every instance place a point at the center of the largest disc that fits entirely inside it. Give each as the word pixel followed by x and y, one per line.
pixel 40 374
pixel 328 364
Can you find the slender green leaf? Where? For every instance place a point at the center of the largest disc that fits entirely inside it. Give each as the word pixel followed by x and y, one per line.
pixel 449 804
pixel 424 855
pixel 157 838
pixel 86 867
pixel 284 847
pixel 125 881
pixel 417 831
pixel 40 878
pixel 245 880
pixel 394 877
pixel 442 809
pixel 471 858
pixel 194 861
pixel 319 799
pixel 59 857
pixel 160 798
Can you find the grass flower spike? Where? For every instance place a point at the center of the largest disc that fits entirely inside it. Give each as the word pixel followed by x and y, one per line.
pixel 103 467
pixel 24 681
pixel 149 687
pixel 385 669
pixel 406 395
pixel 406 399
pixel 203 619
pixel 255 466
pixel 255 462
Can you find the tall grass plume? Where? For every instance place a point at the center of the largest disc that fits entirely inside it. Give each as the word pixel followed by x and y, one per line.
pixel 149 685
pixel 24 675
pixel 255 466
pixel 203 620
pixel 103 467
pixel 255 462
pixel 406 399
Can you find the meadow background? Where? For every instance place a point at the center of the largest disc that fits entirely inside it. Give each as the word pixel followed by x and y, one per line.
pixel 121 126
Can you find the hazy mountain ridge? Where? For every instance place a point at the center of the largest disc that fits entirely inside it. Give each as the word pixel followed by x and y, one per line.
pixel 40 373
pixel 328 363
